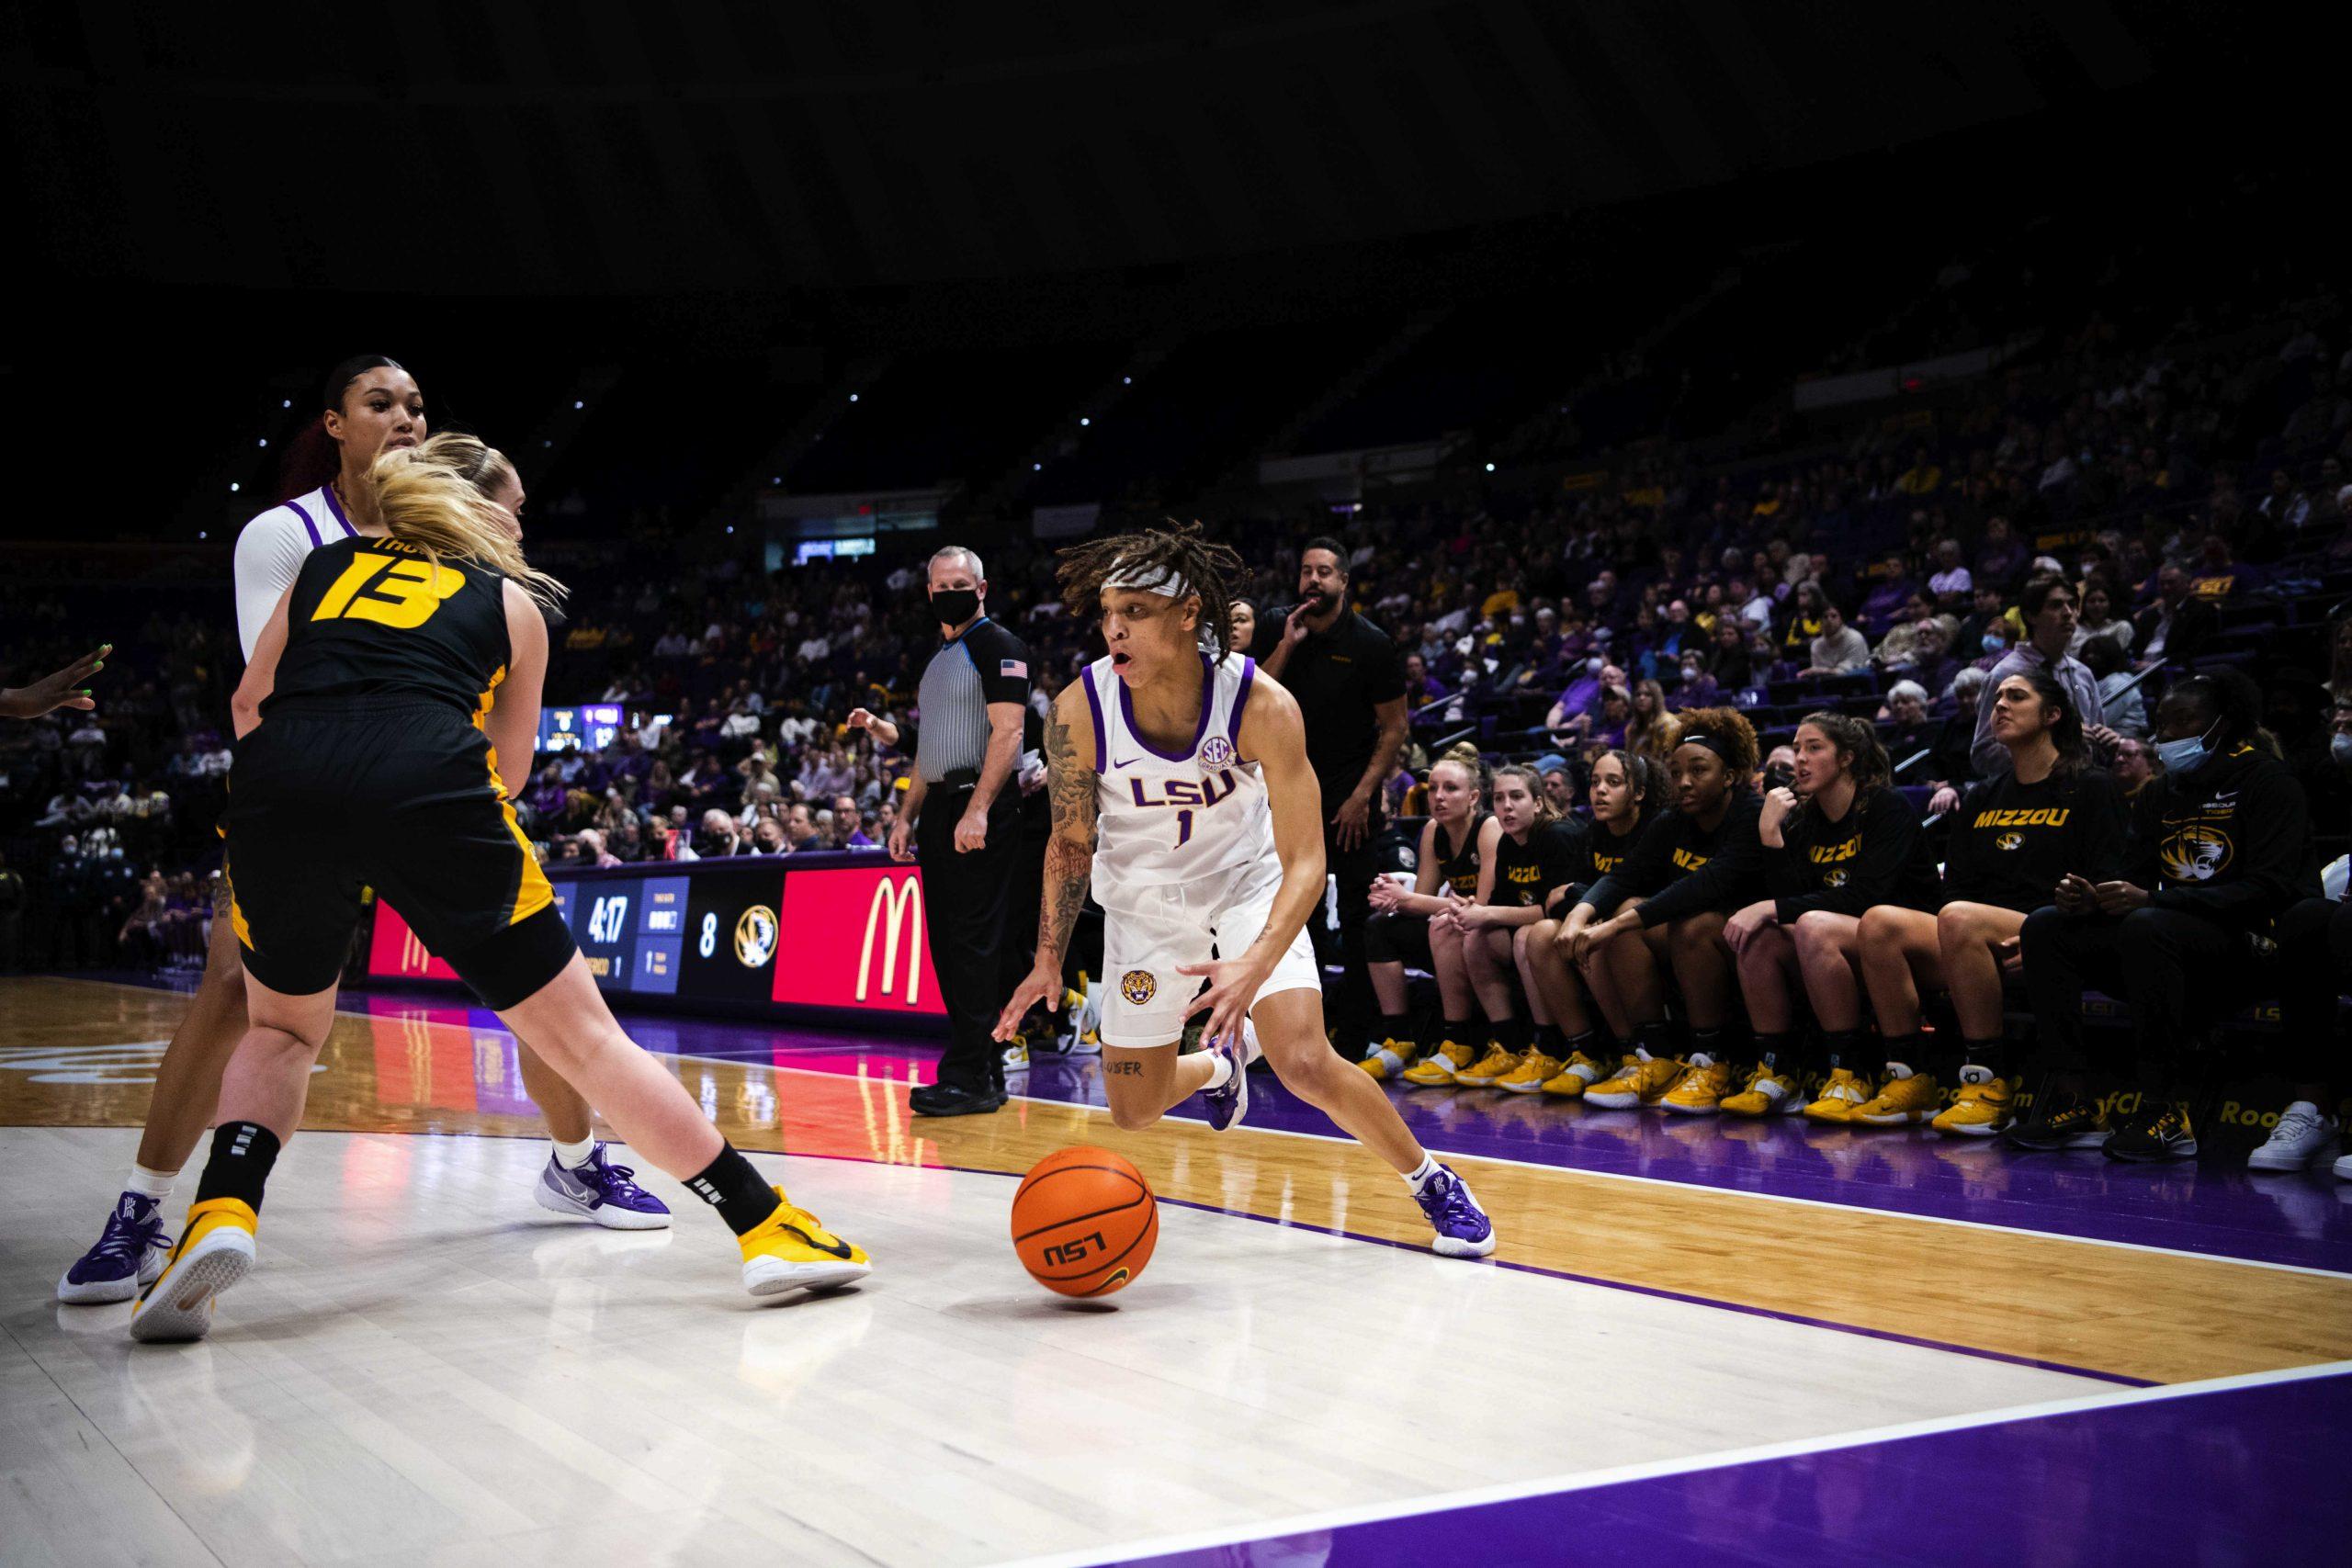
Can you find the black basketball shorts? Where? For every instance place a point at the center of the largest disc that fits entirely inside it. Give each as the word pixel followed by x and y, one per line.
pixel 400 796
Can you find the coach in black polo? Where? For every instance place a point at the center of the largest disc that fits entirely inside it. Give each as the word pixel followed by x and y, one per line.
pixel 966 814
pixel 1350 682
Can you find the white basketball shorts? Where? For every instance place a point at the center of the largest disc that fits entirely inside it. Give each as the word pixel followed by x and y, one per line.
pixel 1158 929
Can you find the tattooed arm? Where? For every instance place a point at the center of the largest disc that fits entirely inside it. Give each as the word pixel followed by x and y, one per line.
pixel 1070 785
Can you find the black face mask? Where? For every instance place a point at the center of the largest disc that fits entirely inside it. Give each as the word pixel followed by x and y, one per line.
pixel 954 606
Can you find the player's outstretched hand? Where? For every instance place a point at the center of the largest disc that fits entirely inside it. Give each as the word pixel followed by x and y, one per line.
pixel 62 689
pixel 1037 986
pixel 1232 985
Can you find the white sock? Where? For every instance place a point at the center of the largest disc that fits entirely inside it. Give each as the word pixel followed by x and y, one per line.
pixel 1220 1071
pixel 156 1184
pixel 1421 1175
pixel 572 1156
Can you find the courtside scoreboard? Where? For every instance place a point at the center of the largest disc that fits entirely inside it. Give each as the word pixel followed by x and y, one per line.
pixel 808 935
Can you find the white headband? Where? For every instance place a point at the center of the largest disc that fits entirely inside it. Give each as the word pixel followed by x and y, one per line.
pixel 1147 579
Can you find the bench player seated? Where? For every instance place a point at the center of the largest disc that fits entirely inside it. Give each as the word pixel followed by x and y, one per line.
pixel 1181 793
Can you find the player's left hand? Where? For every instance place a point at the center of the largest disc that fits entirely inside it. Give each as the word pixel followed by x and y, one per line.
pixel 1352 821
pixel 1232 985
pixel 1037 986
pixel 1741 929
pixel 2121 897
pixel 971 833
pixel 59 689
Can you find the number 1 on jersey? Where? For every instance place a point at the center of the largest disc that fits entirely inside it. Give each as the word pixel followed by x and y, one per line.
pixel 1183 828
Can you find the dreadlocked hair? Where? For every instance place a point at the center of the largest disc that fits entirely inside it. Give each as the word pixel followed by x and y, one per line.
pixel 1730 730
pixel 1184 548
pixel 1466 755
pixel 1544 810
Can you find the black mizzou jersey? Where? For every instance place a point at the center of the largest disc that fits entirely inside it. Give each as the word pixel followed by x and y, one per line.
pixel 373 618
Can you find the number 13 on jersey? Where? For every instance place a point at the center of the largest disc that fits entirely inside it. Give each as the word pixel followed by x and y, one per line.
pixel 405 596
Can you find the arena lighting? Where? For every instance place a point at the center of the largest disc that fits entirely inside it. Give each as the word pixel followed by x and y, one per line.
pixel 853 397
pixel 1038 468
pixel 578 403
pixel 232 487
pixel 264 441
pixel 1083 420
pixel 202 534
pixel 1491 468
pixel 730 528
pixel 285 402
pixel 1126 380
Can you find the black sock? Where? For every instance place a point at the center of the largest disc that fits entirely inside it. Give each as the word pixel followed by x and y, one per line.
pixel 1911 1050
pixel 1550 1041
pixel 739 1193
pixel 1710 1041
pixel 242 1153
pixel 1989 1053
pixel 1657 1038
pixel 1588 1043
pixel 1510 1033
pixel 1398 1026
pixel 1461 1030
pixel 1837 1044
pixel 1772 1050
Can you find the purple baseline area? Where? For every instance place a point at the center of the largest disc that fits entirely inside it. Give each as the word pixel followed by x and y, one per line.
pixel 2236 1475
pixel 2210 1206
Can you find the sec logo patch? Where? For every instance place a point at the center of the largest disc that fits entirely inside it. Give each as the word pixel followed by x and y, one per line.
pixel 1217 751
pixel 1138 987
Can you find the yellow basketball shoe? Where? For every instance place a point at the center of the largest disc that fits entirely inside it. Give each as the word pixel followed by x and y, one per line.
pixel 1836 1102
pixel 1907 1097
pixel 1389 1058
pixel 1699 1091
pixel 216 1250
pixel 1437 1069
pixel 1581 1073
pixel 1535 1070
pixel 1643 1080
pixel 1497 1062
pixel 1980 1107
pixel 791 1250
pixel 1771 1091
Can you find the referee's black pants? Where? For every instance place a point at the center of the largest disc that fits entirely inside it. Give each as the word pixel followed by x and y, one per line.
pixel 964 912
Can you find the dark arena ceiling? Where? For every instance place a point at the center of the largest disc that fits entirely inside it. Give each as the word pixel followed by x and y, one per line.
pixel 545 147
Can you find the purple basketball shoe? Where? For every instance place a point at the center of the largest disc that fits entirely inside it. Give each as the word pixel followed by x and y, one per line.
pixel 601 1192
pixel 1463 1228
pixel 129 1254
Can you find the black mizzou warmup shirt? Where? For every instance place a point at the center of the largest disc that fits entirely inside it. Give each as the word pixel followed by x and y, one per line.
pixel 1457 865
pixel 2011 843
pixel 2230 842
pixel 1525 872
pixel 1678 869
pixel 1875 854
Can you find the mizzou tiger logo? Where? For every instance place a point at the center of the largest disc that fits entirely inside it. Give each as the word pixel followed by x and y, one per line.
pixel 2196 852
pixel 1836 878
pixel 1138 987
pixel 2008 842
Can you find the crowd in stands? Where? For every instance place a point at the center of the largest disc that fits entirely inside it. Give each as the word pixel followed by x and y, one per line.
pixel 2114 522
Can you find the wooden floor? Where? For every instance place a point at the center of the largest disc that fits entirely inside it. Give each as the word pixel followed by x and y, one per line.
pixel 427 1367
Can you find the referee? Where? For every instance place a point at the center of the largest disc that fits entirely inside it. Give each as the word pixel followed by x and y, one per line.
pixel 963 810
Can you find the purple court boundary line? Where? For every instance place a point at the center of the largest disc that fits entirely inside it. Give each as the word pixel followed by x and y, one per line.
pixel 1165 1547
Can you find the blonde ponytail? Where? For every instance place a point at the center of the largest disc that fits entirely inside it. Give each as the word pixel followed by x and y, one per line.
pixel 437 497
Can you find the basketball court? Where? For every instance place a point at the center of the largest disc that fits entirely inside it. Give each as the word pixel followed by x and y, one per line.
pixel 1714 1342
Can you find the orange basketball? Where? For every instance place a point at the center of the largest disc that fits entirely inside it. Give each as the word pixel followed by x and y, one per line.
pixel 1084 1222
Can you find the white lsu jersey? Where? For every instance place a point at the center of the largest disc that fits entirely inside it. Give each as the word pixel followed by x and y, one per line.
pixel 271 549
pixel 1174 818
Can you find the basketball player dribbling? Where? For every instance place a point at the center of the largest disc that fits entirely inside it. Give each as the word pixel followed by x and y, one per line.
pixel 371 405
pixel 1180 789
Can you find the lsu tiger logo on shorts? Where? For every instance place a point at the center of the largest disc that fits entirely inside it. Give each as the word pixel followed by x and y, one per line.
pixel 1138 987
pixel 1217 751
pixel 2196 852
pixel 2009 841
